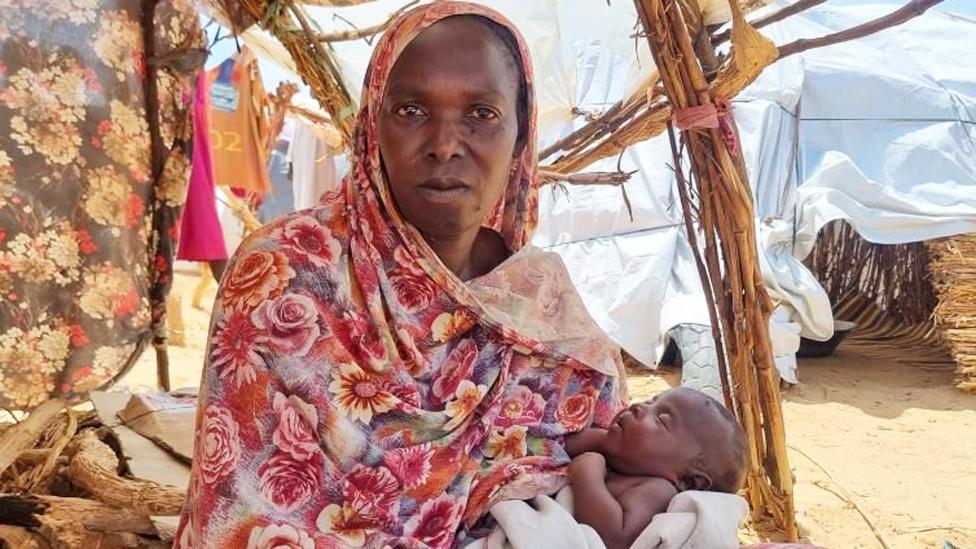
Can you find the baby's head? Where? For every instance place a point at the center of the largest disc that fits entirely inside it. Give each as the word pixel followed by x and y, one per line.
pixel 682 435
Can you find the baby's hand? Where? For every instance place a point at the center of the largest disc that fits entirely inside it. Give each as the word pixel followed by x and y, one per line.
pixel 588 464
pixel 587 440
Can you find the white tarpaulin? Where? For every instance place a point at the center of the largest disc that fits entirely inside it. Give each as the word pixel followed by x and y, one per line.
pixel 879 131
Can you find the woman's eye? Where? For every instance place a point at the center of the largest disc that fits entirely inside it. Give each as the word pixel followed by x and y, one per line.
pixel 408 110
pixel 484 113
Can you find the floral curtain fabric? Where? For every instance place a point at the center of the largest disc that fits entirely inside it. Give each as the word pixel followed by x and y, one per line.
pixel 85 232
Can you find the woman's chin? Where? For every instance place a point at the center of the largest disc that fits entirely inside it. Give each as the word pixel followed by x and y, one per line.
pixel 445 222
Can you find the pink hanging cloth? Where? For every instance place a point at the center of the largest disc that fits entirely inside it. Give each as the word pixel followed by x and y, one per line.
pixel 201 238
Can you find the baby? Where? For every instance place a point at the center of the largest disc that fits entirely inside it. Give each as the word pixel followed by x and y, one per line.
pixel 622 476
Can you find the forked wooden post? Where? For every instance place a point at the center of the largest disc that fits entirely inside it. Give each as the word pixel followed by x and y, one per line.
pixel 726 221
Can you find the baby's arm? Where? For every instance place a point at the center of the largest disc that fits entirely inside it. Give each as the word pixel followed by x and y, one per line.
pixel 587 440
pixel 617 522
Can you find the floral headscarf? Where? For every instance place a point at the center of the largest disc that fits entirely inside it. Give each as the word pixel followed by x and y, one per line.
pixel 357 393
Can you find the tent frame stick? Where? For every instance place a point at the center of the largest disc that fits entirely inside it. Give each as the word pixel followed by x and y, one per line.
pixel 727 219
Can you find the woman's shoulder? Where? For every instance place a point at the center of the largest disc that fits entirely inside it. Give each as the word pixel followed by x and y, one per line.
pixel 537 259
pixel 287 259
pixel 319 234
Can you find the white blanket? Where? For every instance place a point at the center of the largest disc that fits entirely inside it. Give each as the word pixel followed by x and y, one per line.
pixel 694 520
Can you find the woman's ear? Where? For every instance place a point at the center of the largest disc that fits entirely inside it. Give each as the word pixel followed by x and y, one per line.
pixel 695 479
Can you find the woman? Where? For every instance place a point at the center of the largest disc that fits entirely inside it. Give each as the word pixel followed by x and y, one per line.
pixel 386 366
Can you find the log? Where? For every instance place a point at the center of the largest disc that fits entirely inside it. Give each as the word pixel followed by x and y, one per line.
pixel 33 456
pixel 40 478
pixel 94 467
pixel 33 511
pixel 25 434
pixel 20 538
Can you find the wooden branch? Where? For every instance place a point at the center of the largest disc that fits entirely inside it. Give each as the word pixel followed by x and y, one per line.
pixel 333 95
pixel 33 456
pixel 32 510
pixel 24 435
pixel 311 115
pixel 912 9
pixel 614 179
pixel 686 211
pixel 776 16
pixel 277 104
pixel 241 210
pixel 630 121
pixel 367 32
pixel 730 256
pixel 20 538
pixel 602 121
pixel 41 476
pixel 94 467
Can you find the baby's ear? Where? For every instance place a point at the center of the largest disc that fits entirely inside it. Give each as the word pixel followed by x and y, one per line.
pixel 695 480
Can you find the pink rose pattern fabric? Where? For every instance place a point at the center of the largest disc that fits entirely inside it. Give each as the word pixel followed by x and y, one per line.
pixel 358 394
pixel 85 232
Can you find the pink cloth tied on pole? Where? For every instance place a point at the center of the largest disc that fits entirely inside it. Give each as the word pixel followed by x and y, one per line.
pixel 717 114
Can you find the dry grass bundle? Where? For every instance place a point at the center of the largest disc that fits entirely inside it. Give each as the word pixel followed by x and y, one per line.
pixel 895 276
pixel 729 266
pixel 63 484
pixel 952 263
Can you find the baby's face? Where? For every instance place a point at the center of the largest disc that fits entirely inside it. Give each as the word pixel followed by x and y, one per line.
pixel 663 436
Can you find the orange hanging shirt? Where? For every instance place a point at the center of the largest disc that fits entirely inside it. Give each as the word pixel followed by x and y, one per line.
pixel 238 124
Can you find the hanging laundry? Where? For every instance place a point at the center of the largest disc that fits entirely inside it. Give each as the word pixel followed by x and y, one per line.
pixel 238 124
pixel 281 200
pixel 282 197
pixel 201 238
pixel 311 153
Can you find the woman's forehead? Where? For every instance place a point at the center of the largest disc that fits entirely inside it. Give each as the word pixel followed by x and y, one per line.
pixel 455 52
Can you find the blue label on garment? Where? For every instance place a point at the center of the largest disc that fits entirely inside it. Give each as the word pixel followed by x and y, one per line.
pixel 224 97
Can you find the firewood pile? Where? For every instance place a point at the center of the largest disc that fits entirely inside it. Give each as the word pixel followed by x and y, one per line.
pixel 65 484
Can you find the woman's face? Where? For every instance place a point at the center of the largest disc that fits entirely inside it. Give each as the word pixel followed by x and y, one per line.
pixel 448 127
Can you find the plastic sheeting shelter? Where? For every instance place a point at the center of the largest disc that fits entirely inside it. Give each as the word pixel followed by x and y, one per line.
pixel 879 131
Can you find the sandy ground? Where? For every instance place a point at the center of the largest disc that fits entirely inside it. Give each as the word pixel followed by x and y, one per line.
pixel 879 440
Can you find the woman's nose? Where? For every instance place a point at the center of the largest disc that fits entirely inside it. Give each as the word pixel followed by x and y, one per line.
pixel 446 141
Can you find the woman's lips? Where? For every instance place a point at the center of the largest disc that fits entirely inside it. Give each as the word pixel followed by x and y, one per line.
pixel 443 190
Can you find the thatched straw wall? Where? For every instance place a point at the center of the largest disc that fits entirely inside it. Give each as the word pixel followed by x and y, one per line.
pixel 894 276
pixel 952 264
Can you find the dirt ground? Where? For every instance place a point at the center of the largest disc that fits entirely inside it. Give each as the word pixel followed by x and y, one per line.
pixel 882 446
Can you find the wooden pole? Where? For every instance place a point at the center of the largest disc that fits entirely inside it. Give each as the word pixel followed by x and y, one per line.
pixel 157 160
pixel 895 18
pixel 726 218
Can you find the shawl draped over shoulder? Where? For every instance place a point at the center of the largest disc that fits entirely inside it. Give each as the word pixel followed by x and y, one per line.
pixel 358 394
